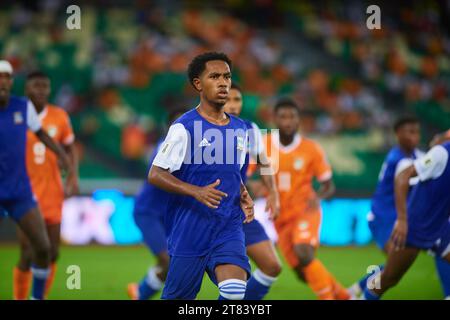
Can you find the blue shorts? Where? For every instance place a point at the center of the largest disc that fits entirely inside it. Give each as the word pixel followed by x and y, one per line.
pixel 152 229
pixel 381 228
pixel 185 275
pixel 16 208
pixel 439 247
pixel 254 233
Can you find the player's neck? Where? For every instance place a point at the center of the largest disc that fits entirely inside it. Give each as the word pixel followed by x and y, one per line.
pixel 39 109
pixel 407 150
pixel 286 140
pixel 213 113
pixel 4 102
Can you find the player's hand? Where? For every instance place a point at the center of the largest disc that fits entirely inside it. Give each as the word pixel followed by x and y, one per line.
pixel 247 206
pixel 273 205
pixel 71 187
pixel 399 233
pixel 209 195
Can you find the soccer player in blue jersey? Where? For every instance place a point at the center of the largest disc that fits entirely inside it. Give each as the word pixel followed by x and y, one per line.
pixel 259 247
pixel 149 209
pixel 200 163
pixel 422 221
pixel 383 213
pixel 17 115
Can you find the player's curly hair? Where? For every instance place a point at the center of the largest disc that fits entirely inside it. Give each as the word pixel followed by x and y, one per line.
pixel 198 64
pixel 37 74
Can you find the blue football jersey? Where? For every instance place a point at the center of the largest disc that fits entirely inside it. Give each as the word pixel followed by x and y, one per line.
pixel 199 152
pixel 383 201
pixel 150 199
pixel 15 120
pixel 429 200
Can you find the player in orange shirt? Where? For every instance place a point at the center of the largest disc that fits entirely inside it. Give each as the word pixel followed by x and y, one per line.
pixel 45 178
pixel 297 160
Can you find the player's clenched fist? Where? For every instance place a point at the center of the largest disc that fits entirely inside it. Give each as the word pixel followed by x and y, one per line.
pixel 209 195
pixel 247 206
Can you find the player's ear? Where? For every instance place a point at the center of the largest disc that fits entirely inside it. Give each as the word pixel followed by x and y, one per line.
pixel 197 84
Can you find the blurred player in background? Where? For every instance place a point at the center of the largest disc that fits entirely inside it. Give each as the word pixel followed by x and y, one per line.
pixel 259 247
pixel 149 209
pixel 298 225
pixel 45 178
pixel 209 204
pixel 422 218
pixel 383 213
pixel 17 115
pixel 440 138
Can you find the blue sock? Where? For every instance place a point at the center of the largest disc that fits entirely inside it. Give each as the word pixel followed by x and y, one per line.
pixel 258 285
pixel 39 279
pixel 150 284
pixel 363 282
pixel 443 269
pixel 369 295
pixel 232 289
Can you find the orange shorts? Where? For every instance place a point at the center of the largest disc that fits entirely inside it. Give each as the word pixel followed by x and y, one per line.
pixel 52 214
pixel 304 229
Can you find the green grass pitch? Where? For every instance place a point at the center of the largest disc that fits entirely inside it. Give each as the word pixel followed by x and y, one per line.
pixel 105 272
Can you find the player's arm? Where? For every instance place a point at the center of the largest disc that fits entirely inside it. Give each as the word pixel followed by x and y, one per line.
pixel 56 148
pixel 72 181
pixel 34 124
pixel 430 166
pixel 247 204
pixel 267 174
pixel 169 159
pixel 400 230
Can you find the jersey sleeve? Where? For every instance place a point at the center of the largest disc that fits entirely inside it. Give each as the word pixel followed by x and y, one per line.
pixel 432 165
pixel 173 150
pixel 33 122
pixel 402 165
pixel 321 167
pixel 67 137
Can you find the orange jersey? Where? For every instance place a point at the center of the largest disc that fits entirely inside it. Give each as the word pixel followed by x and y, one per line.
pixel 42 164
pixel 296 165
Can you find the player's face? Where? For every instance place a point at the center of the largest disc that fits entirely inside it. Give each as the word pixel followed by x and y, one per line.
pixel 38 90
pixel 288 121
pixel 234 103
pixel 215 82
pixel 409 135
pixel 5 85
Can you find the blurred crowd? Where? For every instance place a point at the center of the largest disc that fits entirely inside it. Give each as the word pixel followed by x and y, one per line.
pixel 122 53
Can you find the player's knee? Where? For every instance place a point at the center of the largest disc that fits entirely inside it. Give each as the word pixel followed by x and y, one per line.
pixel 232 289
pixel 26 257
pixel 272 268
pixel 42 250
pixel 305 254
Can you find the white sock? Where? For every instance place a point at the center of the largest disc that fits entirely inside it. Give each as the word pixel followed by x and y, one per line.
pixel 263 278
pixel 152 279
pixel 232 289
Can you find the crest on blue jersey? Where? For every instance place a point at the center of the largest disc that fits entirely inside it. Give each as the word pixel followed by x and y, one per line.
pixel 18 118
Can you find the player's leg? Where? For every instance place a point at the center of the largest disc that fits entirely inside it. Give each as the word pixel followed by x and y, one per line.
pixel 154 237
pixel 229 268
pixel 305 239
pixel 32 225
pixel 261 250
pixel 397 263
pixel 22 274
pixel 381 230
pixel 443 269
pixel 54 235
pixel 184 277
